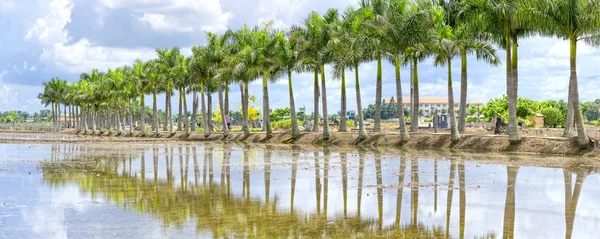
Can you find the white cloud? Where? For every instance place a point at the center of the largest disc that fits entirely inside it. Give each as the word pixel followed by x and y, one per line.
pixel 7 5
pixel 177 15
pixel 48 29
pixel 164 23
pixel 82 56
pixel 5 93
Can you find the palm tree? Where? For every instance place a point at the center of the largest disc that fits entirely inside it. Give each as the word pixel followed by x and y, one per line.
pixel 336 50
pixel 505 19
pixel 376 11
pixel 468 37
pixel 154 84
pixel 356 54
pixel 140 77
pixel 219 47
pixel 451 42
pixel 444 48
pixel 575 20
pixel 94 96
pixel 264 45
pixel 288 60
pixel 182 80
pixel 167 59
pixel 242 70
pixel 312 41
pixel 402 27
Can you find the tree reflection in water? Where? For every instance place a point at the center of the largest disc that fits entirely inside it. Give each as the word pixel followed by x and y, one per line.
pixel 215 209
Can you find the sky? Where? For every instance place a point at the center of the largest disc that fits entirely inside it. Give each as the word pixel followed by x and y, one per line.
pixel 42 39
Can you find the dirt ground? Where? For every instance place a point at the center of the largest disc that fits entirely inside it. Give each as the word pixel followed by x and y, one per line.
pixel 473 140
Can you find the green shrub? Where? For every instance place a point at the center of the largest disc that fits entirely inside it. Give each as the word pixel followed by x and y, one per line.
pixel 472 119
pixel 552 117
pixel 428 119
pixel 350 123
pixel 284 124
pixel 529 123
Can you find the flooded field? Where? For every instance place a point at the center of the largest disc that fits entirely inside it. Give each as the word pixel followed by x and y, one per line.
pixel 183 190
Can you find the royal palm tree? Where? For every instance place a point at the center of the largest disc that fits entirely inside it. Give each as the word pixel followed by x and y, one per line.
pixel 288 61
pixel 575 20
pixel 375 12
pixel 167 58
pixel 468 36
pixel 356 54
pixel 312 40
pixel 219 47
pixel 445 47
pixel 403 26
pixel 140 77
pixel 505 19
pixel 242 71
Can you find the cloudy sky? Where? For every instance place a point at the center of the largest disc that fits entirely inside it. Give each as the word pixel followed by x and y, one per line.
pixel 42 39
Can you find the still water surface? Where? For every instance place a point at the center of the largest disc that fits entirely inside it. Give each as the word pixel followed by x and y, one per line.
pixel 255 191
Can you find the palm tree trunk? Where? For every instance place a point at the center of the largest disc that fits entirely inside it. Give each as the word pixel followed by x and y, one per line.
pixel 295 131
pixel 362 133
pixel 222 109
pixel 569 121
pixel 414 117
pixel 574 94
pixel 171 128
pixel 316 104
pixel 179 116
pixel 155 125
pixel 194 110
pixel 462 116
pixel 245 109
pixel 325 120
pixel 123 113
pixel 166 123
pixel 513 130
pixel 343 126
pixel 186 118
pixel 84 116
pixel 515 64
pixel 204 117
pixel 66 118
pixel 53 114
pixel 209 113
pixel 378 89
pixel 454 135
pixel 118 119
pixel 108 119
pixel 70 115
pixel 226 107
pixel 142 114
pixel 266 108
pixel 58 121
pixel 403 132
pixel 93 112
pixel 131 123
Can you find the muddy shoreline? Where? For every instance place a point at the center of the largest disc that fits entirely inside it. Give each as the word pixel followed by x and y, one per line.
pixel 480 143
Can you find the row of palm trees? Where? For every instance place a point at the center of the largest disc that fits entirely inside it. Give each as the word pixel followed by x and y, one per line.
pixel 400 31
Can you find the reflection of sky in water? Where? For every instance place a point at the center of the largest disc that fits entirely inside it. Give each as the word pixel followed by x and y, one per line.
pixel 37 209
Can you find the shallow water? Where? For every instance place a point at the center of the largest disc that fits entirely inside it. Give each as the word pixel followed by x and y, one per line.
pixel 214 190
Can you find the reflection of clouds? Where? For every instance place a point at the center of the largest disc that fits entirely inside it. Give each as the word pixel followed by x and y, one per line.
pixel 61 211
pixel 47 218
